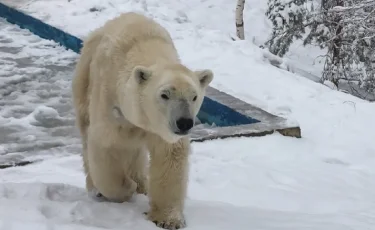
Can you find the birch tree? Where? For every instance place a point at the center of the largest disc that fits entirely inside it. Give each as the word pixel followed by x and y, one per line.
pixel 239 19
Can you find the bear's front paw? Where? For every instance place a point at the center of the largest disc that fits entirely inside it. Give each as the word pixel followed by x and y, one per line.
pixel 171 222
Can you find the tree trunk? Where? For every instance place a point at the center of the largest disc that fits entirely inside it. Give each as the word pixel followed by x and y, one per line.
pixel 338 36
pixel 239 19
pixel 333 22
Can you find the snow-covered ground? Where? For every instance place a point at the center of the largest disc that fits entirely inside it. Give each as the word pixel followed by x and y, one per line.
pixel 324 181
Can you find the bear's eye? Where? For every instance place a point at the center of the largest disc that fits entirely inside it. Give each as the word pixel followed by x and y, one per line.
pixel 195 98
pixel 164 96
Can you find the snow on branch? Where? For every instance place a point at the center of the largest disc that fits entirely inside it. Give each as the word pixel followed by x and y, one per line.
pixel 363 4
pixel 344 28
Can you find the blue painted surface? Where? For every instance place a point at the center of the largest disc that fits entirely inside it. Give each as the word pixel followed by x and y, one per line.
pixel 211 110
pixel 40 28
pixel 215 112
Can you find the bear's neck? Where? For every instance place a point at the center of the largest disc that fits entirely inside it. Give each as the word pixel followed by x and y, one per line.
pixel 144 53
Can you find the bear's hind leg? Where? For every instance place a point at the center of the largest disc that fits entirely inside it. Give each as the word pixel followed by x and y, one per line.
pixel 89 183
pixel 108 177
pixel 139 170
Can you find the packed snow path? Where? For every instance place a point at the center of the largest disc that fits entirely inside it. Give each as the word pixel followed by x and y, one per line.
pixel 35 96
pixel 266 183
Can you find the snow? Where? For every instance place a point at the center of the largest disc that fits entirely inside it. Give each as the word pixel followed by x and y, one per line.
pixel 324 181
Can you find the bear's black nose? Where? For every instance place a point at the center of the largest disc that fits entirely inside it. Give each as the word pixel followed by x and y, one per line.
pixel 184 124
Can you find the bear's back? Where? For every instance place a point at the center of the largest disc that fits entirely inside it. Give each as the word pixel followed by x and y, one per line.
pixel 129 28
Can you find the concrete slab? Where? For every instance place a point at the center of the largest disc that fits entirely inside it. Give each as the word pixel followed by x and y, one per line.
pixel 268 124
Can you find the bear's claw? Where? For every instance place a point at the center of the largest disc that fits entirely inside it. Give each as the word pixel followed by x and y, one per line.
pixel 170 224
pixel 99 194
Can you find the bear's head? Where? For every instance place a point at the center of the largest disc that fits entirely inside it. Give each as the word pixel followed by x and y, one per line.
pixel 166 99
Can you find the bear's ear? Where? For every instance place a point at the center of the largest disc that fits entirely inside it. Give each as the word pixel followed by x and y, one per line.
pixel 205 77
pixel 141 74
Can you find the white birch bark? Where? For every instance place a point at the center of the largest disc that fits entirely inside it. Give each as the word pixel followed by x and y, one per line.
pixel 239 19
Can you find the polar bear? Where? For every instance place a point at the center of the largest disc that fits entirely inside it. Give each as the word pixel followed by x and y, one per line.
pixel 133 99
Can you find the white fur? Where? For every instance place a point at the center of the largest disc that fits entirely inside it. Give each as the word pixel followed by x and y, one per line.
pixel 124 68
